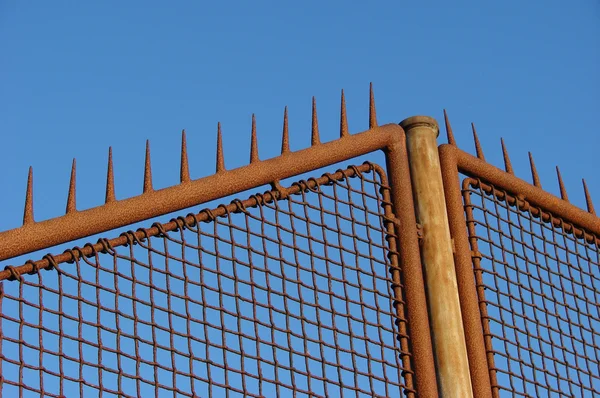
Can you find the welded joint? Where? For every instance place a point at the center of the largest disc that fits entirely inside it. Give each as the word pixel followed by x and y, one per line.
pixel 282 193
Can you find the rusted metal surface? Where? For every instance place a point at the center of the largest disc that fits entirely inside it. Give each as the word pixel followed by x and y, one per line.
pixel 479 365
pixel 290 291
pixel 416 372
pixel 118 213
pixel 410 258
pixel 527 233
pixel 450 352
pixel 115 214
pixel 542 286
pixel 315 289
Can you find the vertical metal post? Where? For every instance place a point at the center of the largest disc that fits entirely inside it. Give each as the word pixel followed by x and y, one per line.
pixel 480 362
pixel 413 285
pixel 452 365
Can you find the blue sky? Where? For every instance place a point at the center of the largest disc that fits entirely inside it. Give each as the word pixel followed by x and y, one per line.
pixel 78 77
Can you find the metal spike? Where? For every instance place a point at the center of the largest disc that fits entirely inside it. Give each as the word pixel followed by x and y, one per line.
pixel 343 119
pixel 507 165
pixel 372 113
pixel 28 213
pixel 478 149
pixel 71 206
pixel 148 170
pixel 449 133
pixel 534 174
pixel 588 198
pixel 315 124
pixel 561 186
pixel 184 171
pixel 285 139
pixel 110 180
pixel 220 160
pixel 253 142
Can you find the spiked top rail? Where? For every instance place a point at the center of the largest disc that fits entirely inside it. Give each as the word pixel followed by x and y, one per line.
pixel 524 198
pixel 79 224
pixel 389 138
pixel 151 203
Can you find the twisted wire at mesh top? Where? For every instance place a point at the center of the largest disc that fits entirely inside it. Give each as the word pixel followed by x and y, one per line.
pixel 289 297
pixel 540 287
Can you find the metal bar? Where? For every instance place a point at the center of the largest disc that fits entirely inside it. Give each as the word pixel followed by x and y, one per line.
pixel 536 197
pixel 395 270
pixel 274 276
pixel 191 219
pixel 467 289
pixel 526 258
pixel 441 284
pixel 75 225
pixel 410 258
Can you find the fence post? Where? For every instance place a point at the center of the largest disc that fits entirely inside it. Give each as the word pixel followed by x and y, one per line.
pixel 452 366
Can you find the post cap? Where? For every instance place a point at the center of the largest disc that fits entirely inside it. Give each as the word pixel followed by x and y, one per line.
pixel 418 121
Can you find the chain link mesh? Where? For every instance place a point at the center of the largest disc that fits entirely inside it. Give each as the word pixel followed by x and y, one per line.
pixel 289 297
pixel 539 289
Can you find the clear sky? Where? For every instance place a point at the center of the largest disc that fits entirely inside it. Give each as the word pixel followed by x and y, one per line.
pixel 77 77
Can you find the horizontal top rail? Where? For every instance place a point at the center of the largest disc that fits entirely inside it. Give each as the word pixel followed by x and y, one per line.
pixel 34 236
pixel 535 196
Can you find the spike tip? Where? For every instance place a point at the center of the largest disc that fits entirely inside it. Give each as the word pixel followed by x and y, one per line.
pixel 285 138
pixel 71 206
pixel 184 169
pixel 588 199
pixel 315 140
pixel 534 174
pixel 478 149
pixel 253 142
pixel 372 112
pixel 507 164
pixel 28 213
pixel 449 133
pixel 220 159
pixel 110 180
pixel 343 118
pixel 148 170
pixel 561 186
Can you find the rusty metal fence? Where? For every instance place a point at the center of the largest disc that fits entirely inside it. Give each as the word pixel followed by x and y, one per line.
pixel 263 297
pixel 355 283
pixel 541 289
pixel 528 265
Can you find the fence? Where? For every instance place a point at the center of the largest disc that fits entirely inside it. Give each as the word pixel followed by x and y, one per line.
pixel 371 280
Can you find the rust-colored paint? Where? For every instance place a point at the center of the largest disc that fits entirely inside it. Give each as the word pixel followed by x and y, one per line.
pixel 478 363
pixel 476 168
pixel 157 250
pixel 115 214
pixel 410 258
pixel 110 180
pixel 540 203
pixel 118 213
pixel 509 281
pixel 184 169
pixel 454 308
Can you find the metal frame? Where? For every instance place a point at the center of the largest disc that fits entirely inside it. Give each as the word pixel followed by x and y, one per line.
pixel 410 172
pixel 389 138
pixel 454 161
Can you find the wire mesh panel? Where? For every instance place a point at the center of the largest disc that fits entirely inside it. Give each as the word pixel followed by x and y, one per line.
pixel 539 287
pixel 288 293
